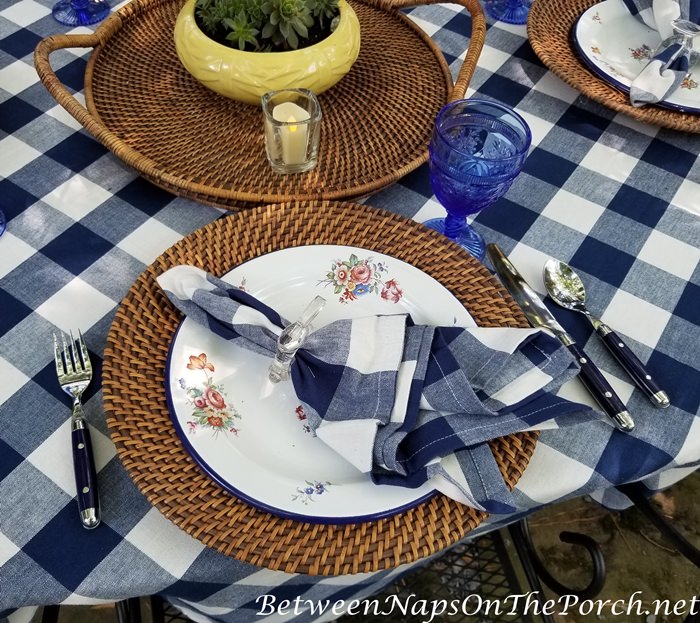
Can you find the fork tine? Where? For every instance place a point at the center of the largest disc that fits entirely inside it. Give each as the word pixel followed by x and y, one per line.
pixel 84 351
pixel 60 370
pixel 77 362
pixel 69 362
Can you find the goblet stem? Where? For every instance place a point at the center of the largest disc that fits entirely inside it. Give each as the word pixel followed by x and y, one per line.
pixel 454 226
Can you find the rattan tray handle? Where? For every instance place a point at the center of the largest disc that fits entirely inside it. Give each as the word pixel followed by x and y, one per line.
pixel 476 37
pixel 113 23
pixel 64 97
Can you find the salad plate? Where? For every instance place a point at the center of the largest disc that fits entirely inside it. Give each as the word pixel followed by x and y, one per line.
pixel 616 46
pixel 253 438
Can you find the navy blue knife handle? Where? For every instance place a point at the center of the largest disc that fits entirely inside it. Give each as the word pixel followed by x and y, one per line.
pixel 635 368
pixel 601 390
pixel 85 474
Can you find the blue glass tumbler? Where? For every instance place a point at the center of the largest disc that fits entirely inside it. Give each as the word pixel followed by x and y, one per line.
pixel 477 149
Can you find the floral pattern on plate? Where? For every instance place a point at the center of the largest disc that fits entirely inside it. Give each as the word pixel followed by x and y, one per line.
pixel 689 83
pixel 301 416
pixel 355 277
pixel 641 52
pixel 209 407
pixel 313 488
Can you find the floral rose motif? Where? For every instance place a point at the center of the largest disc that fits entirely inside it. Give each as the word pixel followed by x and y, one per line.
pixel 355 277
pixel 199 363
pixel 208 399
pixel 361 274
pixel 214 398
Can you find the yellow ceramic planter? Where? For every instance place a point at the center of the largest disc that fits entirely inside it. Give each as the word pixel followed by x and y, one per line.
pixel 246 76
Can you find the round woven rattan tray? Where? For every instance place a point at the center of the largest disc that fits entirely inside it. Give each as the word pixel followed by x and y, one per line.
pixel 549 27
pixel 149 447
pixel 145 107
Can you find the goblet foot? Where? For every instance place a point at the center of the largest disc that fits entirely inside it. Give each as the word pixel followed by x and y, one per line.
pixel 509 11
pixel 469 239
pixel 80 12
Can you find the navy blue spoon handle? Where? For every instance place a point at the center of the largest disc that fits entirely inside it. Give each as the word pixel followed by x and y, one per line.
pixel 633 366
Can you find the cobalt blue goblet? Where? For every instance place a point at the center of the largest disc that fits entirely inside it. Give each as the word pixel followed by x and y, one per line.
pixel 3 223
pixel 477 149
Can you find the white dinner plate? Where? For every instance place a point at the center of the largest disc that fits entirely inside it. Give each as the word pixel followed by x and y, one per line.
pixel 616 46
pixel 261 448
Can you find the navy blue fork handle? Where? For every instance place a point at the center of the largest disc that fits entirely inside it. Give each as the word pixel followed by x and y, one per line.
pixel 85 474
pixel 602 391
pixel 633 366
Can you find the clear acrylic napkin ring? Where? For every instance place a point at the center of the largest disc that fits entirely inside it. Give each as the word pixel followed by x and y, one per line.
pixel 684 32
pixel 291 340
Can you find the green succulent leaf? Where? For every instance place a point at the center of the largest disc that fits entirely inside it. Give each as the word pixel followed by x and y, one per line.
pixel 265 24
pixel 241 32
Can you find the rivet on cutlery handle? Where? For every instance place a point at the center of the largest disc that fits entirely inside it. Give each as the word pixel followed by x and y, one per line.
pixel 602 391
pixel 635 368
pixel 85 474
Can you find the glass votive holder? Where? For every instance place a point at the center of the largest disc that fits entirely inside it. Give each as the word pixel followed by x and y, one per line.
pixel 292 129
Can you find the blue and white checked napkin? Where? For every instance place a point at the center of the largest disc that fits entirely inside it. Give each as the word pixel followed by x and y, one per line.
pixel 406 402
pixel 665 72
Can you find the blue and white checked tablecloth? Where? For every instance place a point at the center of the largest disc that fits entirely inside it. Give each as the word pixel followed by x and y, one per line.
pixel 617 199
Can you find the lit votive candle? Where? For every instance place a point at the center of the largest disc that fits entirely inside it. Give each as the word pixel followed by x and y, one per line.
pixel 292 129
pixel 294 136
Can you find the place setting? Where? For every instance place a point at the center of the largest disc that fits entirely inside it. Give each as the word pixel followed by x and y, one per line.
pixel 633 56
pixel 316 243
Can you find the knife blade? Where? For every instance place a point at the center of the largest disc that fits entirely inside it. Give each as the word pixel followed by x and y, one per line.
pixel 541 318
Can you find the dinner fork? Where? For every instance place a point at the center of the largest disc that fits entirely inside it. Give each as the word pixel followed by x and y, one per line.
pixel 74 372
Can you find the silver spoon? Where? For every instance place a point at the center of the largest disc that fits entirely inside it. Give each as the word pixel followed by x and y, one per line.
pixel 566 289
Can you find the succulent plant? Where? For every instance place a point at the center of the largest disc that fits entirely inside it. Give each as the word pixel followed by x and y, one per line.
pixel 266 25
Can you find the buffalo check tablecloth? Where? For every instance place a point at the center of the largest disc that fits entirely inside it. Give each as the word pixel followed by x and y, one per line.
pixel 618 199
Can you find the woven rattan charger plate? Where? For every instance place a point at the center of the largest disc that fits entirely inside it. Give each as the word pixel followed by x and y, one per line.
pixel 148 445
pixel 144 106
pixel 549 27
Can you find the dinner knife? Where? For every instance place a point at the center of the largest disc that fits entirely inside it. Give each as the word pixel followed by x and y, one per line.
pixel 540 317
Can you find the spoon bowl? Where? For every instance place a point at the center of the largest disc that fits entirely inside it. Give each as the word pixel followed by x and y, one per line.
pixel 564 286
